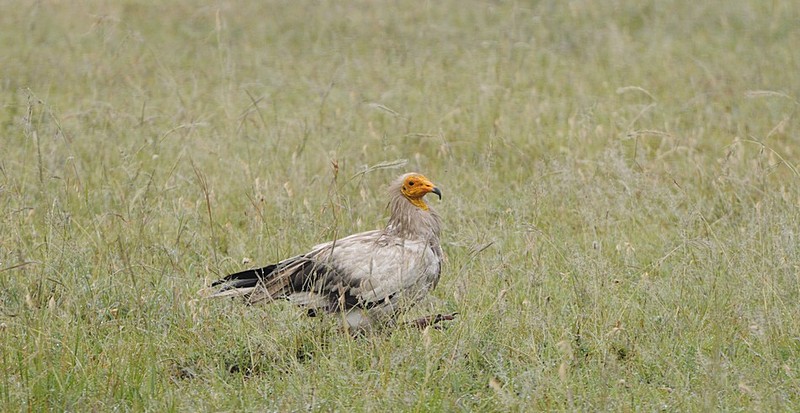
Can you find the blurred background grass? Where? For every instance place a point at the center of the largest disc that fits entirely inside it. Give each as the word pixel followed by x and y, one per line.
pixel 620 199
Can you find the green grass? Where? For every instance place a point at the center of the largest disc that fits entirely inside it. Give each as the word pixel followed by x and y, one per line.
pixel 621 202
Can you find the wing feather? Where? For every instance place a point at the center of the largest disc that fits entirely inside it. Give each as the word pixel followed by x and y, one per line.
pixel 380 267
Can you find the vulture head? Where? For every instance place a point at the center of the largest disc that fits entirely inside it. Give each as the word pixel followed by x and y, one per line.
pixel 414 187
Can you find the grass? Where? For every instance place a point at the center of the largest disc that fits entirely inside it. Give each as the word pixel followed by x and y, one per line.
pixel 620 181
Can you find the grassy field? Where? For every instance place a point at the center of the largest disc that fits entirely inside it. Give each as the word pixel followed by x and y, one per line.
pixel 621 201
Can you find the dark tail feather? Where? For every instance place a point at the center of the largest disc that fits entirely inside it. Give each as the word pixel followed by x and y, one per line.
pixel 242 283
pixel 269 283
pixel 246 278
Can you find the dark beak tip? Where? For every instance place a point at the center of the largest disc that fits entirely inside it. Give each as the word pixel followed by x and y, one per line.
pixel 437 192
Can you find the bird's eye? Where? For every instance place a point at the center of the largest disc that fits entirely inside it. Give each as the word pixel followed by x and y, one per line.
pixel 411 183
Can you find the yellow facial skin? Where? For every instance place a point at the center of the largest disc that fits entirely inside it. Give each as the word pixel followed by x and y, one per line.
pixel 417 186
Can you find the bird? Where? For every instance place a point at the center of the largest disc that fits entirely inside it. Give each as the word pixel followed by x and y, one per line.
pixel 370 277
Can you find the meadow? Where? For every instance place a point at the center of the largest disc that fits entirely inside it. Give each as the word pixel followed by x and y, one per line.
pixel 621 201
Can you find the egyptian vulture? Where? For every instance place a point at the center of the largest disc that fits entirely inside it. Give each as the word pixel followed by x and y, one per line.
pixel 369 277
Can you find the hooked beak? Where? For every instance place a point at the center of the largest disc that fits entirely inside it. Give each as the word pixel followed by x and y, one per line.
pixel 436 191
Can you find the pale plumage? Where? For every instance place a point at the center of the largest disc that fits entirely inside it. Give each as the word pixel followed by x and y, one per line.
pixel 370 276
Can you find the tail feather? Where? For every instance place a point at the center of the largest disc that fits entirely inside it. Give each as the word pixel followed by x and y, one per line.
pixel 273 282
pixel 243 283
pixel 246 278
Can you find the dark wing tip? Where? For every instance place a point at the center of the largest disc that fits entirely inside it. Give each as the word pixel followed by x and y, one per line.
pixel 246 278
